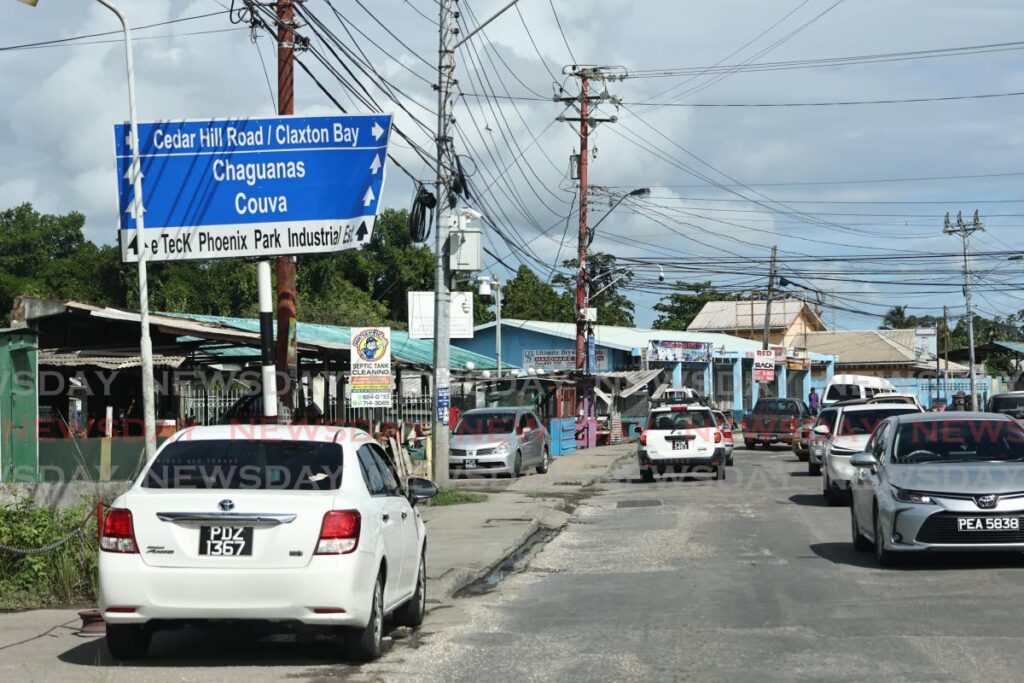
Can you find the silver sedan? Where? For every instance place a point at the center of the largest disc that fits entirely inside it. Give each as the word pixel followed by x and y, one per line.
pixel 940 481
pixel 499 441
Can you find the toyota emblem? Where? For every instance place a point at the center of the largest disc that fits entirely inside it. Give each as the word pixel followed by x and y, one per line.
pixel 986 502
pixel 226 505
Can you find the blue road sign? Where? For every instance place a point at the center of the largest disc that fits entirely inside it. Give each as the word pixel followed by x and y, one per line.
pixel 252 187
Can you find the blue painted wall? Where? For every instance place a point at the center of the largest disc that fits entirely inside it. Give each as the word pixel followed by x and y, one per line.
pixel 515 340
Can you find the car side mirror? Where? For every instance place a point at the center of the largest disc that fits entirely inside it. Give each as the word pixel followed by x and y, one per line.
pixel 863 460
pixel 525 431
pixel 421 489
pixel 821 430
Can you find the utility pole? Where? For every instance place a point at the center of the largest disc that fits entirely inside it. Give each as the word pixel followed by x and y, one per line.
pixel 768 302
pixel 945 348
pixel 582 300
pixel 964 231
pixel 287 360
pixel 442 266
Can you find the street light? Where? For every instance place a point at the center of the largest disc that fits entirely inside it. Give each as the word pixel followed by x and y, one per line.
pixel 145 343
pixel 638 192
pixel 486 283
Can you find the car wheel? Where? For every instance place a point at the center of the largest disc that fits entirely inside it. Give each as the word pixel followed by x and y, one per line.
pixel 661 470
pixel 720 472
pixel 813 469
pixel 128 641
pixel 750 444
pixel 884 557
pixel 542 468
pixel 411 613
pixel 828 490
pixel 517 465
pixel 728 460
pixel 803 457
pixel 364 644
pixel 859 542
pixel 646 475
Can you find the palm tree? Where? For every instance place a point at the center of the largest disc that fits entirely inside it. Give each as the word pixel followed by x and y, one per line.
pixel 896 319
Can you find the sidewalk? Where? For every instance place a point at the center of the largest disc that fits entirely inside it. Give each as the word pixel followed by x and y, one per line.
pixel 464 542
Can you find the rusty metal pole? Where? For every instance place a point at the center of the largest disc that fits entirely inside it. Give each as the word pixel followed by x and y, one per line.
pixel 286 295
pixel 581 273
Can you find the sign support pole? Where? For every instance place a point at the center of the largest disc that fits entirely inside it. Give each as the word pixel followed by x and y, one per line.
pixel 137 207
pixel 266 295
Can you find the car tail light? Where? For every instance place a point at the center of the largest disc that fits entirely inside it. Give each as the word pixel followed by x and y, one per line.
pixel 743 424
pixel 728 434
pixel 643 438
pixel 118 532
pixel 680 409
pixel 792 425
pixel 339 533
pixel 718 436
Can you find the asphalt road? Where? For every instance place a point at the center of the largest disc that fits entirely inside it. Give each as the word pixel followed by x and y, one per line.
pixel 753 578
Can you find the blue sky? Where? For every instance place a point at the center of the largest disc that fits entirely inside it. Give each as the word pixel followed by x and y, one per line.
pixel 55 131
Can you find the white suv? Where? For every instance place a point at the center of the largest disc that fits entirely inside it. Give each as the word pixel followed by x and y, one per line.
pixel 290 524
pixel 681 437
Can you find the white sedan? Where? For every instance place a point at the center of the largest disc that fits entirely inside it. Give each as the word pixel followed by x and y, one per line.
pixel 289 524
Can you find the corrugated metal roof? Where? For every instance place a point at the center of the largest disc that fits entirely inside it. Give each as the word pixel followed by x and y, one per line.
pixel 748 315
pixel 629 338
pixel 874 347
pixel 107 361
pixel 403 347
pixel 1016 347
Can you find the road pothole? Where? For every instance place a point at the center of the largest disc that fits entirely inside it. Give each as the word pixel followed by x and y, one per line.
pixel 510 565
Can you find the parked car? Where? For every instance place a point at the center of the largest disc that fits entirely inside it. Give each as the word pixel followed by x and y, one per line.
pixel 267 523
pixel 681 437
pixel 499 441
pixel 939 481
pixel 854 425
pixel 818 439
pixel 724 425
pixel 846 387
pixel 774 420
pixel 1010 403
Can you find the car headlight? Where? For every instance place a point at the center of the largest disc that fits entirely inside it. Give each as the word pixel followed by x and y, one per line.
pixel 502 448
pixel 908 496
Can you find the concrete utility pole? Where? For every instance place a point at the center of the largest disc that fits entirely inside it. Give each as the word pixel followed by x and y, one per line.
pixel 287 357
pixel 964 231
pixel 768 302
pixel 442 276
pixel 945 348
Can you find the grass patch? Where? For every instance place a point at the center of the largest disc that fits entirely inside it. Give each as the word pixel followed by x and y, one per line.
pixel 457 497
pixel 64 576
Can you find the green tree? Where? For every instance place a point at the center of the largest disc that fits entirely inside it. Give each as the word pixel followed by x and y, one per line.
pixel 527 297
pixel 677 310
pixel 607 280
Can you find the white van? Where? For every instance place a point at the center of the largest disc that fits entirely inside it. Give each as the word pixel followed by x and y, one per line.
pixel 848 387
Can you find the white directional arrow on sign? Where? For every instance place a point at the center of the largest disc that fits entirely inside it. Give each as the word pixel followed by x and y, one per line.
pixel 376 131
pixel 375 165
pixel 368 197
pixel 133 210
pixel 133 168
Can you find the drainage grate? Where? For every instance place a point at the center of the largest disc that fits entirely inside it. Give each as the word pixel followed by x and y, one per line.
pixel 644 503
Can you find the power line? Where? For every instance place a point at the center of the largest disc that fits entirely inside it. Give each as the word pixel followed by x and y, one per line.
pixel 558 22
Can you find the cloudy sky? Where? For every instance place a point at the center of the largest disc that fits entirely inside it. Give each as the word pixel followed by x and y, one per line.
pixel 871 180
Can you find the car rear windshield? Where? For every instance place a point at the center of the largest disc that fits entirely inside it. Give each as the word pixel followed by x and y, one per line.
pixel 486 423
pixel 958 441
pixel 1008 405
pixel 783 407
pixel 246 464
pixel 863 422
pixel 681 419
pixel 827 417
